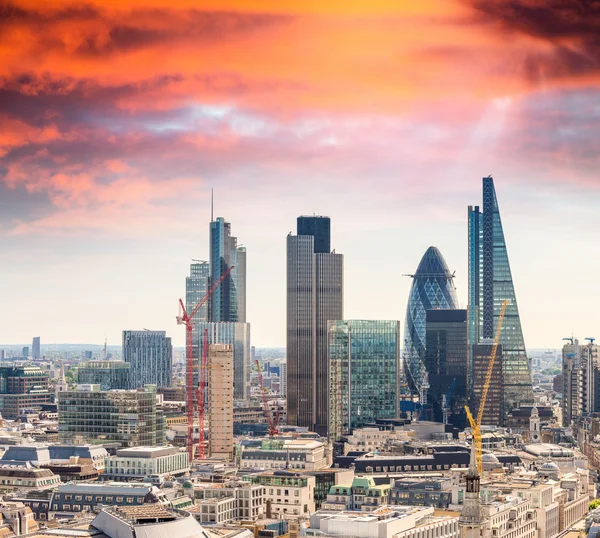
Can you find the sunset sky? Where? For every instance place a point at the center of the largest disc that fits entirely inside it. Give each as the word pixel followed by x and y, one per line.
pixel 118 117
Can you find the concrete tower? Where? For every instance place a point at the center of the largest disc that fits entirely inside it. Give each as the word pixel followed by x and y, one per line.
pixel 535 435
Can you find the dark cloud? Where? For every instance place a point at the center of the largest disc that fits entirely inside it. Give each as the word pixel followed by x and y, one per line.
pixel 133 30
pixel 572 27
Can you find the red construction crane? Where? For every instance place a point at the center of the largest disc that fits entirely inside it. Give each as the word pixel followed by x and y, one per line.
pixel 272 422
pixel 187 319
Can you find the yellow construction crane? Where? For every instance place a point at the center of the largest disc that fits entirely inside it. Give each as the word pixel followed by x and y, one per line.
pixel 476 424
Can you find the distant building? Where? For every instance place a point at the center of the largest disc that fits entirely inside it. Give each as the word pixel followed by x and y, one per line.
pixel 25 352
pixel 490 283
pixel 150 355
pixel 493 414
pixel 35 348
pixel 238 336
pixel 364 367
pixel 446 361
pixel 108 374
pixel 196 287
pixel 220 400
pixel 228 301
pixel 22 387
pixel 432 288
pixel 2 354
pixel 89 415
pixel 314 296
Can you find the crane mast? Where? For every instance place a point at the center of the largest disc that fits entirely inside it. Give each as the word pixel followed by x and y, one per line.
pixel 187 318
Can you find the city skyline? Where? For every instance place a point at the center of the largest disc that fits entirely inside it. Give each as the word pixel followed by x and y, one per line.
pixel 357 305
pixel 120 118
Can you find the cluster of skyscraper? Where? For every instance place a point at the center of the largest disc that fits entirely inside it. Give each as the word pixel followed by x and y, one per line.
pixel 344 374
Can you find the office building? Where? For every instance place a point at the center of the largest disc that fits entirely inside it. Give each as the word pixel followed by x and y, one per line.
pixel 314 296
pixel 35 348
pixel 24 477
pixel 128 417
pixel 491 283
pixel 25 352
pixel 146 464
pixel 110 375
pixel 581 380
pixel 22 387
pixel 297 454
pixel 493 413
pixel 432 288
pixel 88 355
pixel 238 336
pixel 2 354
pixel 446 363
pixel 228 301
pixel 364 366
pixel 150 356
pixel 220 400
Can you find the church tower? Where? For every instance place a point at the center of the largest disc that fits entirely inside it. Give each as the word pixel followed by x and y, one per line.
pixel 535 434
pixel 472 523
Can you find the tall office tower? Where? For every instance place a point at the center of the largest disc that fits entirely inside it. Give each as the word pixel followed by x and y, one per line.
pixel 128 417
pixel 446 363
pixel 238 336
pixel 228 301
pixel 314 296
pixel 2 354
pixel 196 287
pixel 283 379
pixel 432 288
pixel 25 352
pixel 35 348
pixel 364 369
pixel 88 355
pixel 150 355
pixel 581 380
pixel 493 414
pixel 490 283
pixel 220 401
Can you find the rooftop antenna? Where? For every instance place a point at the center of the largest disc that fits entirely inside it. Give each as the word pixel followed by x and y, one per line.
pixel 212 203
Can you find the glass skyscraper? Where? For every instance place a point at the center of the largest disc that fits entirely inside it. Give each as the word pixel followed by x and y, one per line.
pixel 490 283
pixel 228 301
pixel 364 364
pixel 432 288
pixel 314 296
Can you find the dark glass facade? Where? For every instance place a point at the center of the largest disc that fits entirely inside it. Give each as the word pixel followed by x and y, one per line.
pixel 364 363
pixel 319 228
pixel 493 414
pixel 447 367
pixel 490 283
pixel 432 288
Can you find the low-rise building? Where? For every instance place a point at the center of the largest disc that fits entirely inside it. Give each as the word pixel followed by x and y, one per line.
pixel 40 455
pixel 24 477
pixel 385 522
pixel 250 500
pixel 153 464
pixel 18 517
pixel 302 454
pixel 419 492
pixel 286 493
pixel 361 494
pixel 86 497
